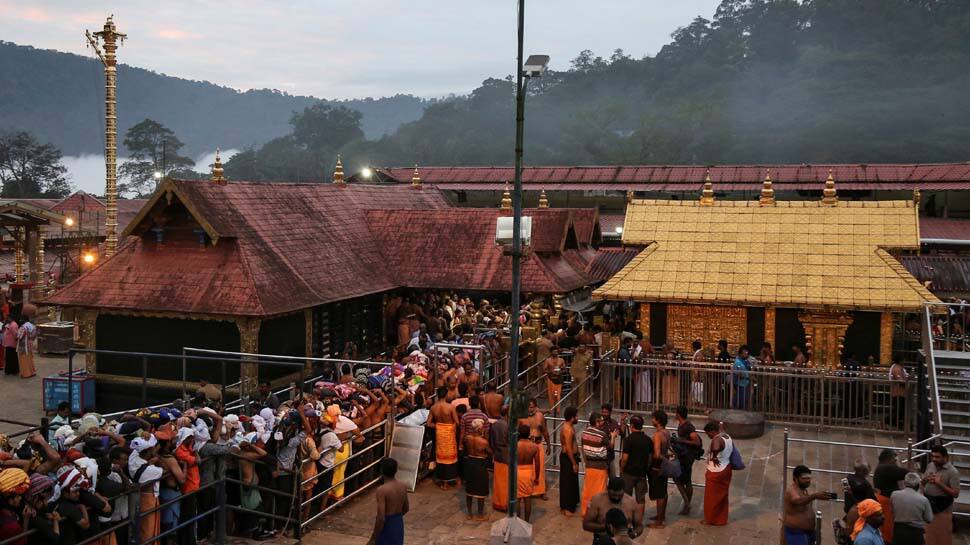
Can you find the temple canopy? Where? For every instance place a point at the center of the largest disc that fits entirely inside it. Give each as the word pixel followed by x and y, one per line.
pixel 796 253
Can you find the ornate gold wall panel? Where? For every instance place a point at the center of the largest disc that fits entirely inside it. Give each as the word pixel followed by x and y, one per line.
pixel 825 336
pixel 709 323
pixel 886 338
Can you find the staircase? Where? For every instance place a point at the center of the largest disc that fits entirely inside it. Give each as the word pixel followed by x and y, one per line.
pixel 948 362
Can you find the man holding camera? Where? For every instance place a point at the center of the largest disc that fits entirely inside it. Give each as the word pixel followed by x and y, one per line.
pixel 799 520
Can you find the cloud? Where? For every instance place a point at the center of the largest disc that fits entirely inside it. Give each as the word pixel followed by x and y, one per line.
pixel 86 172
pixel 176 34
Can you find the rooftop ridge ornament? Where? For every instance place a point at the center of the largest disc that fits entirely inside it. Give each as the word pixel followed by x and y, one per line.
pixel 416 177
pixel 829 195
pixel 506 199
pixel 707 194
pixel 767 197
pixel 217 170
pixel 543 200
pixel 629 196
pixel 916 196
pixel 338 172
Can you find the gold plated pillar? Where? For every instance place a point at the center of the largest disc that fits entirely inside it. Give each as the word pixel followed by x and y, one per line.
pixel 110 38
pixel 886 338
pixel 87 321
pixel 249 344
pixel 18 260
pixel 770 328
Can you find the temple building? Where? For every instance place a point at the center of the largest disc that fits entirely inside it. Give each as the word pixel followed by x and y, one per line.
pixel 822 274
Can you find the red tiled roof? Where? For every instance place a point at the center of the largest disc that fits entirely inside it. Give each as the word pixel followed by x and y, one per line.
pixel 291 246
pixel 455 249
pixel 691 177
pixel 92 207
pixel 946 273
pixel 609 223
pixel 586 223
pixel 945 228
pixel 609 261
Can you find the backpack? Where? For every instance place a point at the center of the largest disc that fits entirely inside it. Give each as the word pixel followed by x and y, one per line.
pixel 737 461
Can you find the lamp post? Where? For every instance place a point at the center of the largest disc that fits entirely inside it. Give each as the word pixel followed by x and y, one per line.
pixel 533 68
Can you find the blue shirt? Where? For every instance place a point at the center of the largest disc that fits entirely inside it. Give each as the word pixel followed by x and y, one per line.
pixel 869 536
pixel 740 370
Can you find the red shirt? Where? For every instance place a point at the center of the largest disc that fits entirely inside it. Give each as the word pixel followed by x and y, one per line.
pixel 187 456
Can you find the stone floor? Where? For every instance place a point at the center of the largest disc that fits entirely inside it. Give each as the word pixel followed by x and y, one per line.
pixel 22 399
pixel 438 517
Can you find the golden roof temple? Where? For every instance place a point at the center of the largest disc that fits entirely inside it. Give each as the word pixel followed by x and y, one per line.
pixel 714 264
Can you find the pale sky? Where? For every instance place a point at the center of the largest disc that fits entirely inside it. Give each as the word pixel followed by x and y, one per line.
pixel 349 48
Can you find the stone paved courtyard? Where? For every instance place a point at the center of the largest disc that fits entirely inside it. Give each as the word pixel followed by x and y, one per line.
pixel 438 517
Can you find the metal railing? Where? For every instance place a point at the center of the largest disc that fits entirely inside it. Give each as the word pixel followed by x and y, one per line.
pixel 793 395
pixel 929 348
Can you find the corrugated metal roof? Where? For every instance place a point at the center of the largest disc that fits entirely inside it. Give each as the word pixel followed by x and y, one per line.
pixel 944 228
pixel 609 261
pixel 691 178
pixel 946 274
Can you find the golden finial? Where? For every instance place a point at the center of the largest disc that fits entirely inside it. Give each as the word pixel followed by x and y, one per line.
pixel 707 194
pixel 338 172
pixel 916 196
pixel 543 200
pixel 217 171
pixel 506 199
pixel 629 196
pixel 767 191
pixel 829 196
pixel 416 177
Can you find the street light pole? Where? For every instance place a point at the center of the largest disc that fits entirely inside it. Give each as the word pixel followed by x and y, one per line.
pixel 516 272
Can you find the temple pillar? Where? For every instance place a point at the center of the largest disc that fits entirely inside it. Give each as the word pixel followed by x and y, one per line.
pixel 249 344
pixel 86 321
pixel 643 321
pixel 18 252
pixel 308 340
pixel 886 338
pixel 770 327
pixel 825 336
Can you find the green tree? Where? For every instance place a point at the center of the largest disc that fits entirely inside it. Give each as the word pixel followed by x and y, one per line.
pixel 29 169
pixel 152 148
pixel 324 127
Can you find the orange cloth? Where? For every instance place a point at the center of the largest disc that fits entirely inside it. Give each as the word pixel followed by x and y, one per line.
pixel 540 488
pixel 186 455
pixel 150 524
pixel 500 487
pixel 446 443
pixel 553 392
pixel 526 481
pixel 717 484
pixel 887 512
pixel 27 369
pixel 593 484
pixel 866 508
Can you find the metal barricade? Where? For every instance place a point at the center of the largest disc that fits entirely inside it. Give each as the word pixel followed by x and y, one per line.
pixel 784 394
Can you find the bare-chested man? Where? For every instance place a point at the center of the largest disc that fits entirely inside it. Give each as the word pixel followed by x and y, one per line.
pixel 595 519
pixel 392 505
pixel 451 382
pixel 492 401
pixel 554 368
pixel 528 471
pixel 539 434
pixel 469 375
pixel 443 419
pixel 569 464
pixel 477 453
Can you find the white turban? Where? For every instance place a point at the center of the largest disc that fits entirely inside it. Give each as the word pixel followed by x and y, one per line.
pixel 139 444
pixel 268 417
pixel 183 434
pixel 229 422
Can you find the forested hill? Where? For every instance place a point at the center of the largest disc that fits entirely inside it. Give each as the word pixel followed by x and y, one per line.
pixel 759 81
pixel 59 97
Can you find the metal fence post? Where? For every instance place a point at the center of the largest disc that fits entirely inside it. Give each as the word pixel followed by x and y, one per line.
pixel 818 527
pixel 784 467
pixel 221 513
pixel 134 517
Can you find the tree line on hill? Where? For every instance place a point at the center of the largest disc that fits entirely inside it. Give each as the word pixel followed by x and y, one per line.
pixel 763 81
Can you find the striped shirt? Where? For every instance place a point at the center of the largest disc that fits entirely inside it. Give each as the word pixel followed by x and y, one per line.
pixel 595 444
pixel 470 416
